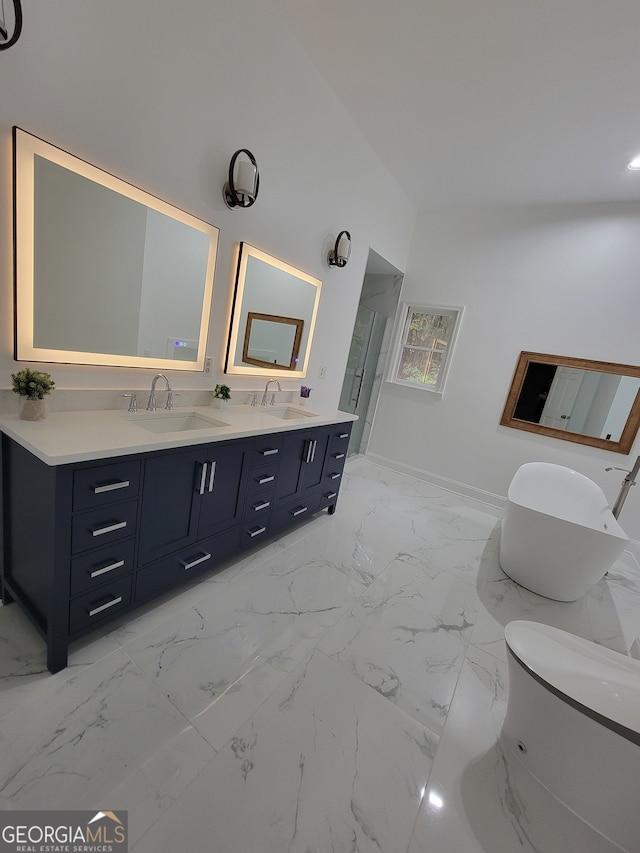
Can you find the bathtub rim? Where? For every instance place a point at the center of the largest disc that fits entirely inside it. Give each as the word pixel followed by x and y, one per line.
pixel 614 527
pixel 598 716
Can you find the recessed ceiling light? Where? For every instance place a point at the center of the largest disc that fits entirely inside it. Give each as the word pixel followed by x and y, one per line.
pixel 634 164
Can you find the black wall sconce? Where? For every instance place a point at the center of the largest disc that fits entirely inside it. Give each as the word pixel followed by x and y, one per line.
pixel 339 255
pixel 6 40
pixel 244 181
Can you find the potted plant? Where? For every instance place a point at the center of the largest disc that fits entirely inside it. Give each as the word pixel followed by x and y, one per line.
pixel 32 386
pixel 221 395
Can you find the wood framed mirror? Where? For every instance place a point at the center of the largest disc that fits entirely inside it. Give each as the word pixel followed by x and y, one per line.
pixel 272 341
pixel 596 403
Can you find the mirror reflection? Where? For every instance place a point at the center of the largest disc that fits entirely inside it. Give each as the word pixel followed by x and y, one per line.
pixel 105 273
pixel 590 402
pixel 274 314
pixel 271 340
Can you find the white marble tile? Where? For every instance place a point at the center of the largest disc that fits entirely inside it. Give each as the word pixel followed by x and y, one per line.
pixel 279 617
pixel 325 764
pixel 613 606
pixel 504 600
pixel 406 637
pixel 480 800
pixel 70 747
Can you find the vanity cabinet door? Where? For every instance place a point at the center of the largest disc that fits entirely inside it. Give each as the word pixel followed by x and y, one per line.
pixel 302 464
pixel 221 502
pixel 168 519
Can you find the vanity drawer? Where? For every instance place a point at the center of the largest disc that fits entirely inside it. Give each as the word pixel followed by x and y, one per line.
pixel 258 505
pixel 340 436
pixel 185 564
pixel 99 604
pixel 295 512
pixel 267 449
pixel 103 526
pixel 104 484
pixel 102 566
pixel 263 479
pixel 254 531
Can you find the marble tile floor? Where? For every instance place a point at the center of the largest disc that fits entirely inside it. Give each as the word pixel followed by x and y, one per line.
pixel 341 689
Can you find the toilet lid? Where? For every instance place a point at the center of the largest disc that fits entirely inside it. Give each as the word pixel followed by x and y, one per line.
pixel 593 676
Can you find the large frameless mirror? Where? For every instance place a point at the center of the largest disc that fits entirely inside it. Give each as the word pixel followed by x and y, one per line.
pixel 273 318
pixel 596 403
pixel 106 274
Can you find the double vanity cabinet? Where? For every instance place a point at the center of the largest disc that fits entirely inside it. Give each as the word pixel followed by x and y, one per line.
pixel 88 540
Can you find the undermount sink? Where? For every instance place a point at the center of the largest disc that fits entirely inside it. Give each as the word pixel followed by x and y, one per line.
pixel 175 421
pixel 287 413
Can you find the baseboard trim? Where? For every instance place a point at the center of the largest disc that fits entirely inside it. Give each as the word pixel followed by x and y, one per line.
pixel 497 501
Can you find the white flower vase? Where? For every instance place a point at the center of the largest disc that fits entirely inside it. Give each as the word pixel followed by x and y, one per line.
pixel 32 410
pixel 217 403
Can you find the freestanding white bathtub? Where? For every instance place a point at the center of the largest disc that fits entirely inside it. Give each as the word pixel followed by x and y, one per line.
pixel 559 536
pixel 573 720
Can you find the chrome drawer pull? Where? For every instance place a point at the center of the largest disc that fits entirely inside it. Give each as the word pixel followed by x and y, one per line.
pixel 300 511
pixel 106 569
pixel 212 475
pixel 264 505
pixel 106 606
pixel 264 480
pixel 269 452
pixel 344 435
pixel 111 487
pixel 331 495
pixel 333 476
pixel 100 530
pixel 257 531
pixel 338 455
pixel 203 559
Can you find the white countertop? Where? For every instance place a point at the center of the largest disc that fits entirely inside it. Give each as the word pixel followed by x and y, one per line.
pixel 65 437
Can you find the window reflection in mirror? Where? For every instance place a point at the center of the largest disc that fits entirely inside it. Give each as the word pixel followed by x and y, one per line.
pixel 589 402
pixel 268 287
pixel 272 341
pixel 105 273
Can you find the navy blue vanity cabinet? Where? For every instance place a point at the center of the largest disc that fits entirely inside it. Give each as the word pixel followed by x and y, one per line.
pixel 191 494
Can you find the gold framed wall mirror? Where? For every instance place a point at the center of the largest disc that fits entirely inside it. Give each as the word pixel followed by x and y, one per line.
pixel 105 273
pixel 272 341
pixel 273 317
pixel 596 403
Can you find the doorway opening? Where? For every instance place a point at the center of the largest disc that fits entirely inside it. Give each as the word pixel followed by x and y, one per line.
pixel 370 345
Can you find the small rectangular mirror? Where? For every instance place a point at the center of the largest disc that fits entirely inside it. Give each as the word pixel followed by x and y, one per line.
pixel 106 274
pixel 273 318
pixel 596 403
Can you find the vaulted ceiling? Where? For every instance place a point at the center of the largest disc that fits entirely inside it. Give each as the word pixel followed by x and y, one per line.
pixel 486 101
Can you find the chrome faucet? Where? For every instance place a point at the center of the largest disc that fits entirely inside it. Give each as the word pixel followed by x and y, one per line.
pixel 266 389
pixel 629 480
pixel 151 405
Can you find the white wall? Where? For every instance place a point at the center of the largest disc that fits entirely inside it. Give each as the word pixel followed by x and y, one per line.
pixel 562 280
pixel 161 94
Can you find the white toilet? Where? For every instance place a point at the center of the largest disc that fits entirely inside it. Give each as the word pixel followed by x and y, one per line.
pixel 573 720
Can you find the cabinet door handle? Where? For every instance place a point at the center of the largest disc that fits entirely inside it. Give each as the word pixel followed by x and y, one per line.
pixel 119 525
pixel 106 606
pixel 189 565
pixel 300 511
pixel 338 455
pixel 314 444
pixel 330 495
pixel 212 475
pixel 97 572
pixel 269 452
pixel 333 476
pixel 203 478
pixel 257 531
pixel 263 505
pixel 344 435
pixel 263 480
pixel 111 487
pixel 307 457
